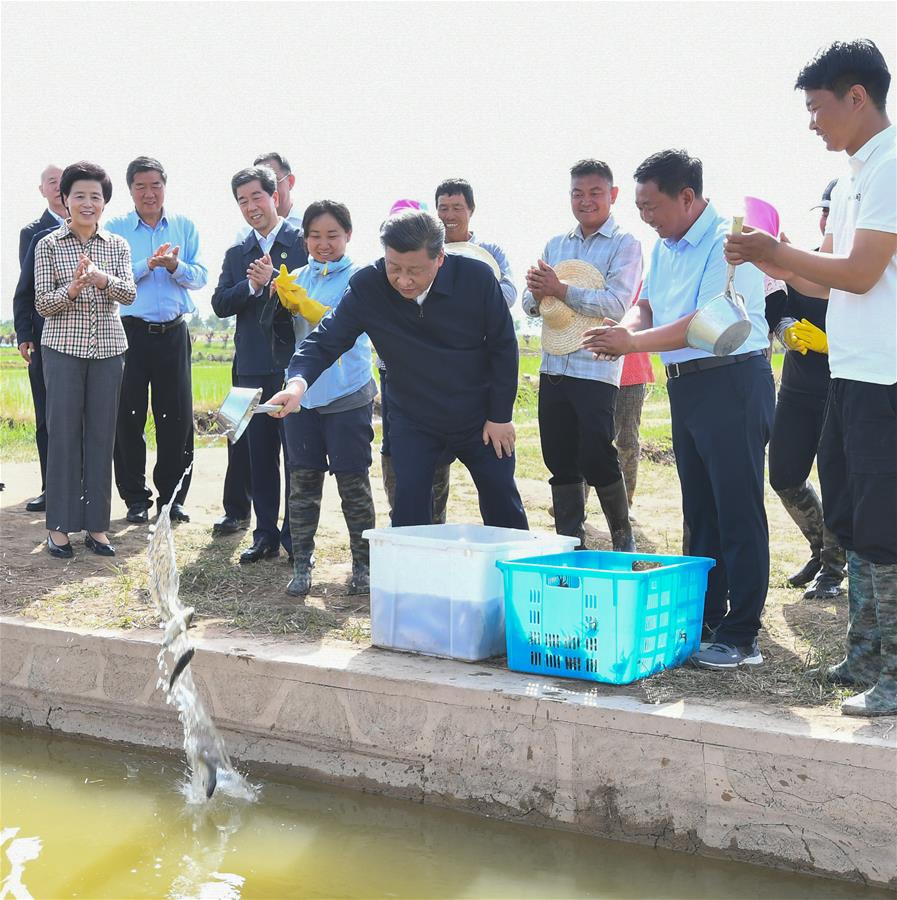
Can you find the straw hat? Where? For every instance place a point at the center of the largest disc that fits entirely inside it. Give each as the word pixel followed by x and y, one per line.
pixel 474 251
pixel 562 327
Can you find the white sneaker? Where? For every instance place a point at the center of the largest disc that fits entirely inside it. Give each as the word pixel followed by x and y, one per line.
pixel 728 656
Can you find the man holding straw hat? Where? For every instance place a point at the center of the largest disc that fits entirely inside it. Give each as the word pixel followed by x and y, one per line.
pixel 586 275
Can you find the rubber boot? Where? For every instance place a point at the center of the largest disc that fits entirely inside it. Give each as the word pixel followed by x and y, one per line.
pixel 805 508
pixel 881 699
pixel 616 510
pixel 358 511
pixel 862 663
pixel 441 479
pixel 389 482
pixel 569 511
pixel 827 585
pixel 306 489
pixel 585 499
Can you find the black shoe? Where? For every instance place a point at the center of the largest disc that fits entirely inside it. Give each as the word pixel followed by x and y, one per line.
pixel 38 504
pixel 259 550
pixel 177 513
pixel 138 514
pixel 807 573
pixel 59 551
pixel 827 586
pixel 229 525
pixel 98 548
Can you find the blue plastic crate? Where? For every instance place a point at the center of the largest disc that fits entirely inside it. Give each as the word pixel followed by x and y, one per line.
pixel 588 615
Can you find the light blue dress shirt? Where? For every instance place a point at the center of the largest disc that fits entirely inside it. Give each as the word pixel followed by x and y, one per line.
pixel 618 256
pixel 506 284
pixel 685 275
pixel 162 295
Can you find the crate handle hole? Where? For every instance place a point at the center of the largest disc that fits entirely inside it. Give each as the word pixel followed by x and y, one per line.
pixel 562 581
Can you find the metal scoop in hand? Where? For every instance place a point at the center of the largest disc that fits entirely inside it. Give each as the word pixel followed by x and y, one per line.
pixel 722 325
pixel 239 406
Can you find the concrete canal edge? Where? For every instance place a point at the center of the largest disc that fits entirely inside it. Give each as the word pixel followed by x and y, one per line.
pixel 800 789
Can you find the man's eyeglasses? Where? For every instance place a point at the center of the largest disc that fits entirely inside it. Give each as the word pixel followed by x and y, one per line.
pixel 284 178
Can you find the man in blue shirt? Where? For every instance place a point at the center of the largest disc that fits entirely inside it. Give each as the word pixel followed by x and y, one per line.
pixel 167 265
pixel 721 406
pixel 577 393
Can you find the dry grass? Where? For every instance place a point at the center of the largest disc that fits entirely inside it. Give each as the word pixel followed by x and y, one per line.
pixel 251 600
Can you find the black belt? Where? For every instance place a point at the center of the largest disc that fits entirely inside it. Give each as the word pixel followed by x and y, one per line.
pixel 674 370
pixel 156 327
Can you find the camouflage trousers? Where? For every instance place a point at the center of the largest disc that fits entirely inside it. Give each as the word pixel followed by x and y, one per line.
pixel 627 419
pixel 441 481
pixel 802 503
pixel 306 490
pixel 871 657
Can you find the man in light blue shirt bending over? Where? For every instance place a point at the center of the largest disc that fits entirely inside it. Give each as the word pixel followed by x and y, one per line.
pixel 167 266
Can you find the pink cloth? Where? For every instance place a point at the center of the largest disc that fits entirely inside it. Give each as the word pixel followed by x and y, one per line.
pixel 637 366
pixel 399 205
pixel 637 369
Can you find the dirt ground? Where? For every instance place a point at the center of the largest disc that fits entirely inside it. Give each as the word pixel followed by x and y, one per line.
pixel 236 600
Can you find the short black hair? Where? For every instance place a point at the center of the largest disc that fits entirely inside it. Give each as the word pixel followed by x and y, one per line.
pixel 339 211
pixel 280 160
pixel 592 167
pixel 264 175
pixel 412 230
pixel 84 171
pixel 451 187
pixel 673 171
pixel 144 164
pixel 844 64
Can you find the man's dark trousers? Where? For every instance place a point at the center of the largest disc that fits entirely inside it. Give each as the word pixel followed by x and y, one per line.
pixel 416 453
pixel 722 419
pixel 39 397
pixel 157 362
pixel 576 428
pixel 237 498
pixel 266 444
pixel 857 463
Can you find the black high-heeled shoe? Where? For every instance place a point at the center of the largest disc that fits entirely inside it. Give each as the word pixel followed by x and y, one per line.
pixel 100 549
pixel 59 551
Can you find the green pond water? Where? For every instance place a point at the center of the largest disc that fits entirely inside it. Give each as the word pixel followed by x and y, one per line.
pixel 111 822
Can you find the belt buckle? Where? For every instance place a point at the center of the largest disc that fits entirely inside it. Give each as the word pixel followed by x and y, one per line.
pixel 670 372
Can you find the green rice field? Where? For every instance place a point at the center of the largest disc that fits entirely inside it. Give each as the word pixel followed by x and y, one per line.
pixel 211 382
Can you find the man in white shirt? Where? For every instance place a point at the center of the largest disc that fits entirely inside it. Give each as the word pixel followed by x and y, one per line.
pixel 856 268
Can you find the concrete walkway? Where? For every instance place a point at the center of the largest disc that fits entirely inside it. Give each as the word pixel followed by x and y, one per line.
pixel 803 789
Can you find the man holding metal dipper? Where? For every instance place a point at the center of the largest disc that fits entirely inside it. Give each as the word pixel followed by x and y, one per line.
pixel 845 89
pixel 721 405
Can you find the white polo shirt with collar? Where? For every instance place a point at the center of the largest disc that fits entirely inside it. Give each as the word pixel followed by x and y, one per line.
pixel 862 328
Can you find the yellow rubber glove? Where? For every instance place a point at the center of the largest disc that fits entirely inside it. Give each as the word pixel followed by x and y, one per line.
pixel 812 337
pixel 295 298
pixel 792 341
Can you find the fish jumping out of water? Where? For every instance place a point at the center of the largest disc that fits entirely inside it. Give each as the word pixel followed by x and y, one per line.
pixel 178 625
pixel 210 759
pixel 181 665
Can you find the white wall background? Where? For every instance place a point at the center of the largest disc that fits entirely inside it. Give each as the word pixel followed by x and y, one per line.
pixel 375 101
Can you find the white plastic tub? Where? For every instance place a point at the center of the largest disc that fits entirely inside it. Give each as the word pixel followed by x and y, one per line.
pixel 435 589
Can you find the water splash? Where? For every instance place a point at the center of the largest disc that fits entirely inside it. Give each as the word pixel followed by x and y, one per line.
pixel 207 758
pixel 18 851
